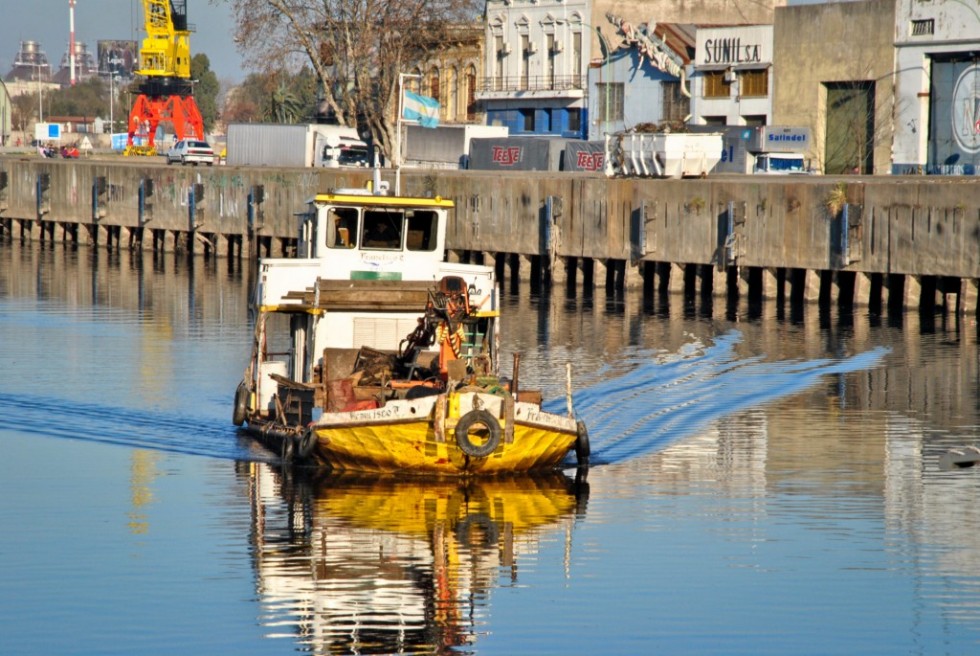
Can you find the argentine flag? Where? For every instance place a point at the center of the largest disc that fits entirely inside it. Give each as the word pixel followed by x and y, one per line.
pixel 423 109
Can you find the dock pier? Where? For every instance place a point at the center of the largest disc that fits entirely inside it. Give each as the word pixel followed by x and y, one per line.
pixel 889 243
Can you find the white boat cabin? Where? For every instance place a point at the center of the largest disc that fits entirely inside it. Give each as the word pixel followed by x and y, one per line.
pixel 352 234
pixel 364 262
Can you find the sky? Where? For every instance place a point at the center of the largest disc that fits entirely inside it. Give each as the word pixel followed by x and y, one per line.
pixel 46 21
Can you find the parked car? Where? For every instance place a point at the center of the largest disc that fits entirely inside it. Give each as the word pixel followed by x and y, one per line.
pixel 191 151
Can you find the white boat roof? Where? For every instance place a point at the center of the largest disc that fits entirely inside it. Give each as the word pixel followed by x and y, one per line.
pixel 359 197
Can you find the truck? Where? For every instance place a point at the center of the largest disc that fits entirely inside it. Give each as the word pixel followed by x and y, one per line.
pixel 780 164
pixel 765 150
pixel 662 154
pixel 295 145
pixel 446 146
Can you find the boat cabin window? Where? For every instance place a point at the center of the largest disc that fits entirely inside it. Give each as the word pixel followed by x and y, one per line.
pixel 422 230
pixel 342 227
pixel 382 229
pixel 308 236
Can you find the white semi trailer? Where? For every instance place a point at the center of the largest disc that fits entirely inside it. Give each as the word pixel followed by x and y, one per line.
pixel 300 145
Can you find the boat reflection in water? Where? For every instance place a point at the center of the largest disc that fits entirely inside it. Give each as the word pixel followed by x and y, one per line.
pixel 386 566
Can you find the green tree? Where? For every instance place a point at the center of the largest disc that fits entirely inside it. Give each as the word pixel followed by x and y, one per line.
pixel 274 96
pixel 24 110
pixel 284 106
pixel 206 89
pixel 89 99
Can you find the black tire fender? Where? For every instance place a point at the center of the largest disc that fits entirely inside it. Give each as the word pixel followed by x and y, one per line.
pixel 288 450
pixel 241 401
pixel 582 448
pixel 307 443
pixel 467 421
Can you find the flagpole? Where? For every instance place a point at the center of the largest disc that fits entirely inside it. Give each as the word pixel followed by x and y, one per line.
pixel 398 135
pixel 398 125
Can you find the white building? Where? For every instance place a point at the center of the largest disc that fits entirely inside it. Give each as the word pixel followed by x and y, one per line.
pixel 937 82
pixel 6 115
pixel 732 80
pixel 537 57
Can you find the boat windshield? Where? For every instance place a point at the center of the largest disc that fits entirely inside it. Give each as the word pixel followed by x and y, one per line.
pixel 423 226
pixel 786 164
pixel 382 229
pixel 342 227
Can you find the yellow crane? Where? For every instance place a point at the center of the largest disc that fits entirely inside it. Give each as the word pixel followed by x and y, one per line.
pixel 166 91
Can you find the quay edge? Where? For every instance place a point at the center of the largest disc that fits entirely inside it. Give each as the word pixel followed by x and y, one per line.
pixel 903 241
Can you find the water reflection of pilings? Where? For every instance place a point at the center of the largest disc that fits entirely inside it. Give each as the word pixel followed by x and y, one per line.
pixel 942 357
pixel 177 291
pixel 708 289
pixel 387 566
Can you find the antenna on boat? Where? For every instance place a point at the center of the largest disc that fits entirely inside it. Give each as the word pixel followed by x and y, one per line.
pixel 377 172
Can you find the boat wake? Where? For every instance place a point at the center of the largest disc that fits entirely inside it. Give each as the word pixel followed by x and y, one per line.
pixel 651 401
pixel 138 429
pixel 643 402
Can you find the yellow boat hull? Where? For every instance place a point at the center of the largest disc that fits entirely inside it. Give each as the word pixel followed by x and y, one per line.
pixel 406 437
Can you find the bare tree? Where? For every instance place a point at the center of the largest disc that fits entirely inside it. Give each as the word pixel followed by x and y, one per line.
pixel 356 48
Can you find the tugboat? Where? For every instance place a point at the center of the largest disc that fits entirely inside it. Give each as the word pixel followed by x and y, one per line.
pixel 373 354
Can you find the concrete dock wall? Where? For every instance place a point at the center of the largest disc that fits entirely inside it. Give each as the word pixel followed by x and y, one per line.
pixel 560 223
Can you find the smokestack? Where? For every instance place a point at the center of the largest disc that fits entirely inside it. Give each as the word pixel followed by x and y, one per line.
pixel 71 39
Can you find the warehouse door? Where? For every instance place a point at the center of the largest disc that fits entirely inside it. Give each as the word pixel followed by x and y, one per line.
pixel 850 128
pixel 954 117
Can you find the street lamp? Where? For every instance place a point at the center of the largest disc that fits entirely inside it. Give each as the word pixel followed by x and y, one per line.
pixel 112 101
pixel 40 104
pixel 114 65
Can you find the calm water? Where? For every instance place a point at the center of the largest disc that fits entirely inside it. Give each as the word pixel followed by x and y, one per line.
pixel 763 484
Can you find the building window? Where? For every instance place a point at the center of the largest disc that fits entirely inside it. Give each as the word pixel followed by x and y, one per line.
pixel 527 120
pixel 550 60
pixel 610 105
pixel 715 85
pixel 923 27
pixel 676 105
pixel 577 57
pixel 575 120
pixel 470 92
pixel 754 84
pixel 525 60
pixel 434 83
pixel 715 121
pixel 498 71
pixel 754 120
pixel 452 95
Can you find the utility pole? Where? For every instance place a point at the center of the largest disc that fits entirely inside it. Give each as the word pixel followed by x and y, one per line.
pixel 40 103
pixel 71 39
pixel 112 100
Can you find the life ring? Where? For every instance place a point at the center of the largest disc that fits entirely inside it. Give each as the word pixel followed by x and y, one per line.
pixel 466 445
pixel 241 399
pixel 582 448
pixel 307 443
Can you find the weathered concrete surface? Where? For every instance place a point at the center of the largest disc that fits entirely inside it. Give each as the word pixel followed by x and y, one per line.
pixel 893 225
pixel 820 44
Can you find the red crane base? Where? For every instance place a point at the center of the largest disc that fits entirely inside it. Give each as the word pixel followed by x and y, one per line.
pixel 150 111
